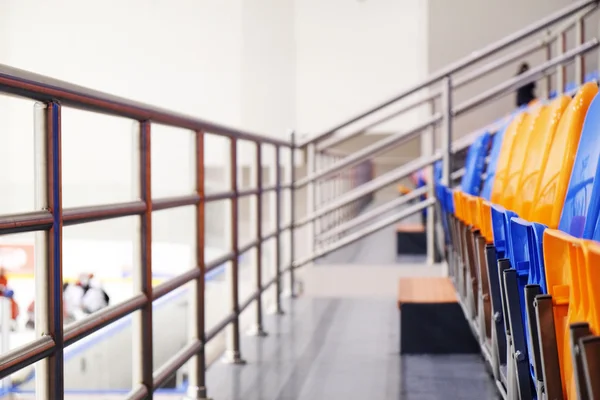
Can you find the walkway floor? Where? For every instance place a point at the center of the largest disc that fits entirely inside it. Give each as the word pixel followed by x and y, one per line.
pixel 343 349
pixel 340 340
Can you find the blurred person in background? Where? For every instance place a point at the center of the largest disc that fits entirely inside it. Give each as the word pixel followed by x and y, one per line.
pixel 526 93
pixel 95 297
pixel 6 292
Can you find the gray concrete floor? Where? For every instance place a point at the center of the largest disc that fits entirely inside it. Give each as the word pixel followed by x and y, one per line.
pixel 343 349
pixel 340 339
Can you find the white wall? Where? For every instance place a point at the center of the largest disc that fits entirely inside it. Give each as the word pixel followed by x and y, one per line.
pixel 354 54
pixel 266 66
pixel 459 27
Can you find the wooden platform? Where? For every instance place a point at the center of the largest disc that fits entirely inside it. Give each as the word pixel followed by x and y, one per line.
pixel 410 228
pixel 425 290
pixel 431 319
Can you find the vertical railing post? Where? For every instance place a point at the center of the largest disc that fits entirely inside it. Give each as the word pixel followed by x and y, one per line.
pixel 52 304
pixel 337 191
pixel 446 139
pixel 41 270
pixel 5 333
pixel 278 253
pixel 143 356
pixel 427 149
pixel 311 192
pixel 292 213
pixel 579 60
pixel 233 355
pixel 317 198
pixel 446 133
pixel 197 365
pixel 259 329
pixel 561 47
pixel 548 58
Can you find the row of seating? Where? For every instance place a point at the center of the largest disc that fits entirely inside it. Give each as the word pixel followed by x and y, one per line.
pixel 523 244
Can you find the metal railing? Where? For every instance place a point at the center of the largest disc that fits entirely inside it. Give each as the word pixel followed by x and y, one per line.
pixel 52 336
pixel 438 89
pixel 326 174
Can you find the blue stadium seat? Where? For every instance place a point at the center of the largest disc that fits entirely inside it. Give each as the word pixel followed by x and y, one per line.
pixel 475 165
pixel 526 237
pixel 486 190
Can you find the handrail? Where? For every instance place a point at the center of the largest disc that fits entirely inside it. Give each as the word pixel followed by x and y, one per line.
pixel 464 62
pixel 459 82
pixel 499 90
pixel 335 140
pixel 371 187
pixel 45 89
pixel 365 232
pixel 374 213
pixel 370 151
pixel 529 76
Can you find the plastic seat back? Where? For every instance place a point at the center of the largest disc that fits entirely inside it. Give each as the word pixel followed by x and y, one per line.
pixel 510 135
pixel 486 190
pixel 560 255
pixel 485 221
pixel 591 252
pixel 550 195
pixel 475 164
pixel 580 210
pixel 531 130
pixel 437 171
pixel 537 155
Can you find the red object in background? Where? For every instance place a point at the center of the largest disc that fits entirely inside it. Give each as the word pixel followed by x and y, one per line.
pixel 14 309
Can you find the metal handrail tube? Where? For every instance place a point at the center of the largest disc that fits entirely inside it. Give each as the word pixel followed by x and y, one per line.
pixel 458 173
pixel 374 213
pixel 336 140
pixel 248 246
pixel 501 62
pixel 273 234
pixel 273 188
pixel 520 80
pixel 246 303
pixel 370 151
pixel 459 82
pixel 365 232
pixel 85 327
pixel 162 374
pixel 139 392
pixel 45 89
pixel 211 334
pixel 175 283
pixel 372 186
pixel 219 261
pixel 26 222
pixel 22 356
pixel 166 203
pixel 516 55
pixel 474 57
pixel 465 141
pixel 85 214
pixel 249 192
pixel 208 197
